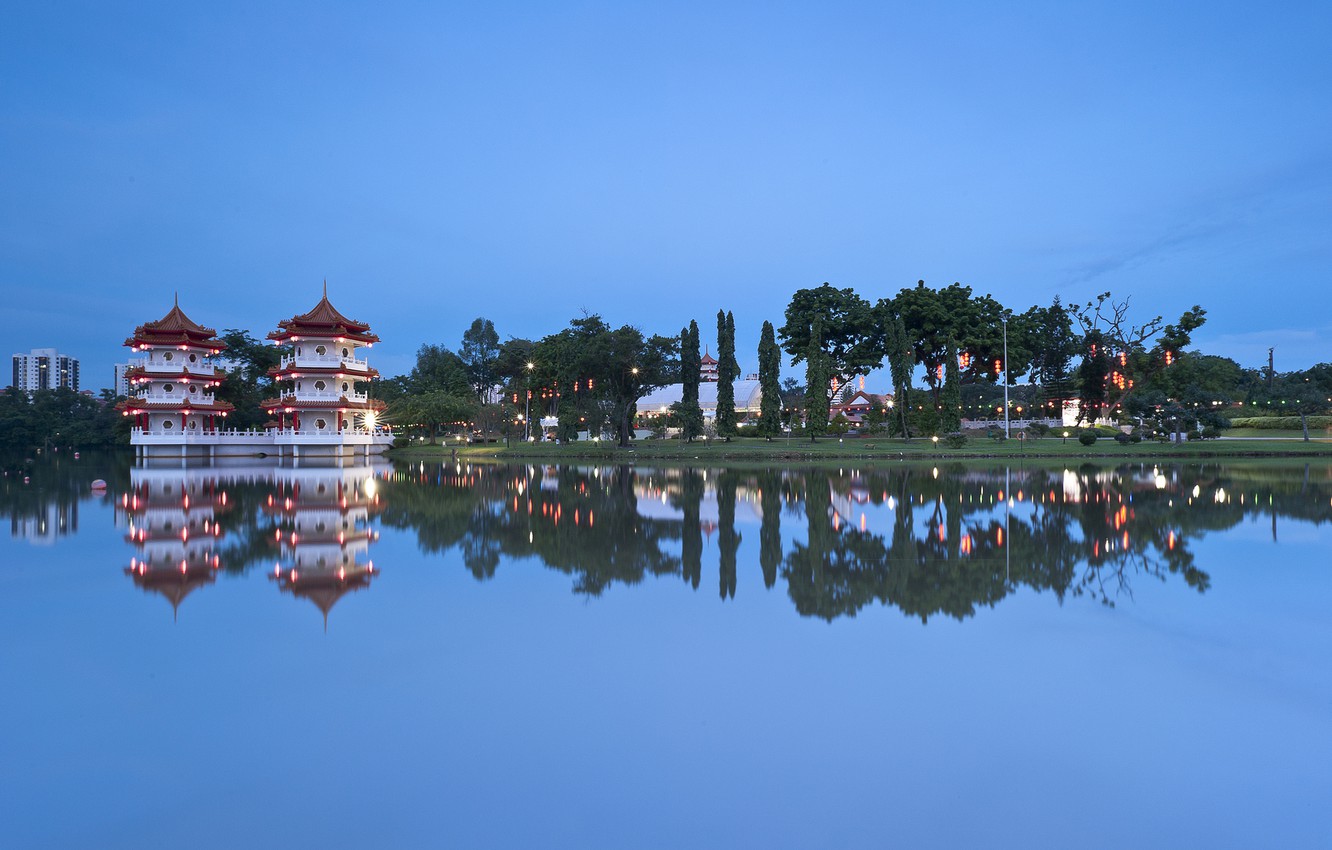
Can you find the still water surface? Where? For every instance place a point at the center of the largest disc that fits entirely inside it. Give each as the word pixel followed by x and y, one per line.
pixel 528 656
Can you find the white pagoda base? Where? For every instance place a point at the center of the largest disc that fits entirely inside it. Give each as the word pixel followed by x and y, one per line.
pixel 270 443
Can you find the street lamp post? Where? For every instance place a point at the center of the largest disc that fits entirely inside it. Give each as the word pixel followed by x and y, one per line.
pixel 527 413
pixel 1004 319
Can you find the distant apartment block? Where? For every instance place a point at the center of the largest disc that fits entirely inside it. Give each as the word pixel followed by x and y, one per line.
pixel 121 382
pixel 45 369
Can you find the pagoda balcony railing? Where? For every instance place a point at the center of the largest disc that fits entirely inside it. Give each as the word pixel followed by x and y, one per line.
pixel 324 361
pixel 201 433
pixel 260 436
pixel 176 367
pixel 296 397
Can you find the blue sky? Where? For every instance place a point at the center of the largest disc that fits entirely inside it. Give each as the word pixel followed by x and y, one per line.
pixel 437 162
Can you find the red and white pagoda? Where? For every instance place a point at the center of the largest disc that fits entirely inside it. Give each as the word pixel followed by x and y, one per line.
pixel 320 409
pixel 708 367
pixel 172 402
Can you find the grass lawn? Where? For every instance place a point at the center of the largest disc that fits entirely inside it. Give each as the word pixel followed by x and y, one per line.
pixel 868 449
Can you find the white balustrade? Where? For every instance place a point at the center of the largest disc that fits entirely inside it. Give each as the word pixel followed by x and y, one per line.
pixel 324 361
pixel 298 396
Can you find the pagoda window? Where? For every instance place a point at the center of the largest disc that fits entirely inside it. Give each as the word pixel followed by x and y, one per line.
pixel 346 353
pixel 194 424
pixel 167 424
pixel 193 388
pixel 345 424
pixel 321 424
pixel 320 385
pixel 194 358
pixel 166 388
pixel 168 356
pixel 299 351
pixel 344 387
pixel 321 350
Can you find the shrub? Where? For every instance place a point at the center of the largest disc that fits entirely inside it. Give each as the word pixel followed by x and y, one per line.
pixel 1282 423
pixel 1038 429
pixel 1135 436
pixel 1211 433
pixel 1122 438
pixel 1193 435
pixel 1087 438
pixel 955 440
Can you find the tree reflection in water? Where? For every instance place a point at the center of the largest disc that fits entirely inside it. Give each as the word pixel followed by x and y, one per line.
pixel 928 541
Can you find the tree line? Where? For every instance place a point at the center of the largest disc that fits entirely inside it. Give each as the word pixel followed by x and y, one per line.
pixel 944 350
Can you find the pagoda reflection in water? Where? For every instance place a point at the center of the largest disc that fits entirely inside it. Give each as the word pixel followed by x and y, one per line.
pixel 321 522
pixel 310 523
pixel 172 518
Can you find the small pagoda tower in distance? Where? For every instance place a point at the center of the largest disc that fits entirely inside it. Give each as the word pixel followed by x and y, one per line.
pixel 319 409
pixel 707 368
pixel 172 402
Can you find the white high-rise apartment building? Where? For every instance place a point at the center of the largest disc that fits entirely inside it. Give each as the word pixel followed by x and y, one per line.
pixel 45 369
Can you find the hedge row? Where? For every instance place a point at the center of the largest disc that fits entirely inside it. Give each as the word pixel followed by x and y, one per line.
pixel 1282 423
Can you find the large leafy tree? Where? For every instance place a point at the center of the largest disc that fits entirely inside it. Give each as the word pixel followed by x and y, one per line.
pixel 850 330
pixel 249 383
pixel 1048 334
pixel 1094 377
pixel 770 368
pixel 930 317
pixel 727 371
pixel 1127 343
pixel 631 367
pixel 438 369
pixel 592 373
pixel 480 354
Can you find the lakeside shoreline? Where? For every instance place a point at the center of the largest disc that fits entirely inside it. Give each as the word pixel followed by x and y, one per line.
pixel 871 450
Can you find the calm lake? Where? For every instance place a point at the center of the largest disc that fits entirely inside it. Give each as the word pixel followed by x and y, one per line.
pixel 606 656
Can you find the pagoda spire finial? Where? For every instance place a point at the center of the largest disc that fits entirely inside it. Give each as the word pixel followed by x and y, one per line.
pixel 325 287
pixel 175 298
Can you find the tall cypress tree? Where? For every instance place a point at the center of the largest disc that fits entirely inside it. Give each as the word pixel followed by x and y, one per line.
pixel 950 414
pixel 727 371
pixel 770 369
pixel 818 375
pixel 899 363
pixel 691 415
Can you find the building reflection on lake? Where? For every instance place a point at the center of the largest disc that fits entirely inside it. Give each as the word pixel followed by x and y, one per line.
pixel 930 541
pixel 311 523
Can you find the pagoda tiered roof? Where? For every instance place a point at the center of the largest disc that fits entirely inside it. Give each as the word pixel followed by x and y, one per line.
pixel 175 581
pixel 142 405
pixel 292 371
pixel 176 372
pixel 341 403
pixel 323 321
pixel 175 329
pixel 324 587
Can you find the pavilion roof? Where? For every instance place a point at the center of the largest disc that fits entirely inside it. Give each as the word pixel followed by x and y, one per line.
pixel 175 328
pixel 323 320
